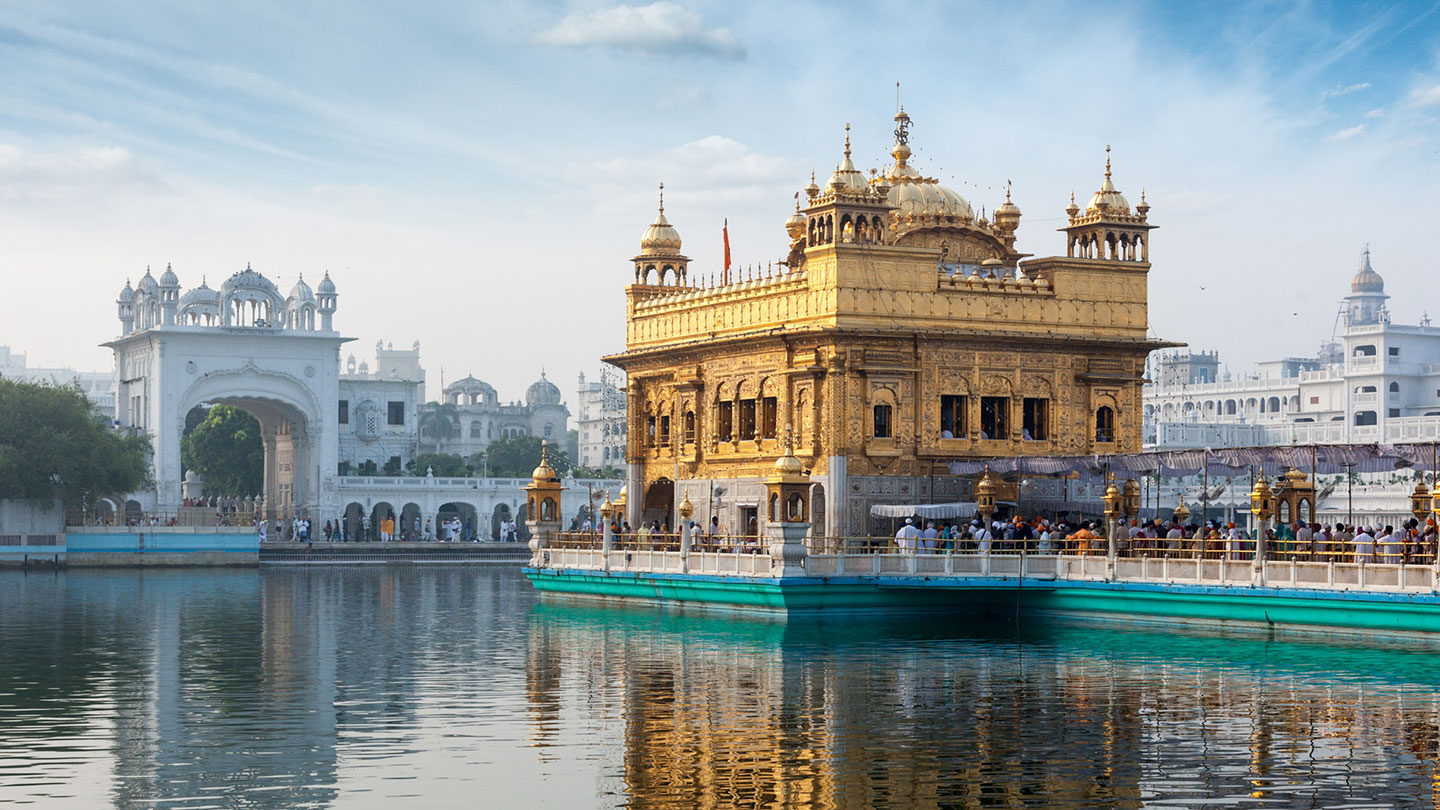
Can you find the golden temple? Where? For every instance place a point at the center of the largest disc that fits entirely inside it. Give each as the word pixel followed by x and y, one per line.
pixel 901 331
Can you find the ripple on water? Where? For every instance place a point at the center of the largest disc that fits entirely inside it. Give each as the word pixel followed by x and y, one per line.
pixel 457 688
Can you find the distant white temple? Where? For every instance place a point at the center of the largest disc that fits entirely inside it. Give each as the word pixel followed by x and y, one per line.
pixel 1379 382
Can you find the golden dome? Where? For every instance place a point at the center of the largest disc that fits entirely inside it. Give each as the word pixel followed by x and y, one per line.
pixel 913 194
pixel 661 238
pixel 1007 208
pixel 986 485
pixel 544 473
pixel 795 223
pixel 1108 198
pixel 788 464
pixel 812 191
pixel 1367 280
pixel 847 179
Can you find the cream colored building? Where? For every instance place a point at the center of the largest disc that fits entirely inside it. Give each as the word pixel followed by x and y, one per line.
pixel 902 331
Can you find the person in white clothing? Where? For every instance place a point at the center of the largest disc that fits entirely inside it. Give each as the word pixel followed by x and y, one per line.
pixel 261 528
pixel 928 538
pixel 982 538
pixel 907 539
pixel 1364 546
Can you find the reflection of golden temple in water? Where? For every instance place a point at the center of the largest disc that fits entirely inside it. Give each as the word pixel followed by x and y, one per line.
pixel 733 713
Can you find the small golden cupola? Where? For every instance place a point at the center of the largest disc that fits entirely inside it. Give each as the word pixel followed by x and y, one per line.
pixel 1007 219
pixel 1107 229
pixel 849 210
pixel 660 252
pixel 542 496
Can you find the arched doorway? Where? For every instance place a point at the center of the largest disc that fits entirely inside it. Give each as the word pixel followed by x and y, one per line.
pixel 498 517
pixel 411 523
pixel 134 512
pixel 817 510
pixel 353 529
pixel 448 512
pixel 378 513
pixel 659 500
pixel 286 411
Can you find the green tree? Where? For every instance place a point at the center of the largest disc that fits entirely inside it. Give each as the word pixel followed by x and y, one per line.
pixel 440 422
pixel 226 451
pixel 446 465
pixel 53 442
pixel 514 456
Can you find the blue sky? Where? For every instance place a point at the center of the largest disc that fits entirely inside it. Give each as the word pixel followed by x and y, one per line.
pixel 466 170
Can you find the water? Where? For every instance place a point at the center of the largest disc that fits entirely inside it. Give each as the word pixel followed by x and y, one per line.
pixel 456 687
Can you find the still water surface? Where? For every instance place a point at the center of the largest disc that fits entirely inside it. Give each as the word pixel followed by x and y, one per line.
pixel 457 687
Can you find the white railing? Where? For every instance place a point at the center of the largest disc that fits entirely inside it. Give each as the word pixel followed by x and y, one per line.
pixel 1042 568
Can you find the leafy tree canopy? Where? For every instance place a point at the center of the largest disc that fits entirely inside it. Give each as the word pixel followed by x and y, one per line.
pixel 51 437
pixel 517 457
pixel 446 465
pixel 226 451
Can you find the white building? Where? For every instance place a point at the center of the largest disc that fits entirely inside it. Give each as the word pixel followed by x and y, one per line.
pixel 379 410
pixel 1380 382
pixel 481 418
pixel 601 420
pixel 99 386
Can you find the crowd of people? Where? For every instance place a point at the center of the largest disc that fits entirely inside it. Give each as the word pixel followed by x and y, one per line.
pixel 386 530
pixel 1413 543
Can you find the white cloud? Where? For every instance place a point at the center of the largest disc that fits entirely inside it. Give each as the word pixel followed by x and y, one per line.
pixel 1425 96
pixel 1347 134
pixel 711 163
pixel 659 28
pixel 1375 113
pixel 1344 90
pixel 78 173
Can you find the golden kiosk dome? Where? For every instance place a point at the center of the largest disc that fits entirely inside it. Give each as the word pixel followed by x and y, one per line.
pixel 544 473
pixel 661 238
pixel 847 179
pixel 1108 198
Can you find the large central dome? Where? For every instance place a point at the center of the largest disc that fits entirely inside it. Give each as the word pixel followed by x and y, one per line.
pixel 914 194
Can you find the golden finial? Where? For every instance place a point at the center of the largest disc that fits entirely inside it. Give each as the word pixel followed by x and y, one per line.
pixel 847 140
pixel 1007 191
pixel 662 198
pixel 797 199
pixel 1107 161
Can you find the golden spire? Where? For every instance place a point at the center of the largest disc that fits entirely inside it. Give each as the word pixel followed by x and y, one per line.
pixel 662 198
pixel 847 141
pixel 1107 161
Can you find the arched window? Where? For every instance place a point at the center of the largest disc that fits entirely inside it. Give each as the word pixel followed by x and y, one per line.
pixel 475 429
pixel 689 427
pixel 1394 387
pixel 881 426
pixel 1105 424
pixel 1364 418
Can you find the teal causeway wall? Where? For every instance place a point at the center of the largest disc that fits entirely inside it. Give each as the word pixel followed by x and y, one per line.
pixel 1353 610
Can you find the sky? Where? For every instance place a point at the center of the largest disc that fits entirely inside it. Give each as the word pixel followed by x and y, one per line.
pixel 477 175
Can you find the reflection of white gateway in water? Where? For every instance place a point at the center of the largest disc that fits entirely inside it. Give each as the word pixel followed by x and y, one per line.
pixel 243 345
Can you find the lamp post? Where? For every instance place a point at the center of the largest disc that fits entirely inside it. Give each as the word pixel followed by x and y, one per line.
pixel 1262 506
pixel 686 510
pixel 1113 500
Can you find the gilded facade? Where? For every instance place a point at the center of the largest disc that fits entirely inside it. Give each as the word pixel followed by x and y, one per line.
pixel 902 331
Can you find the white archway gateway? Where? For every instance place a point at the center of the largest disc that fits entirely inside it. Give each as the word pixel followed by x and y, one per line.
pixel 262 354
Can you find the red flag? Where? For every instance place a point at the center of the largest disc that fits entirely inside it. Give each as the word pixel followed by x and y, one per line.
pixel 726 232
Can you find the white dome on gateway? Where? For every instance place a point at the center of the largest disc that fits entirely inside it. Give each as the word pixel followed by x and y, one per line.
pixel 247 300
